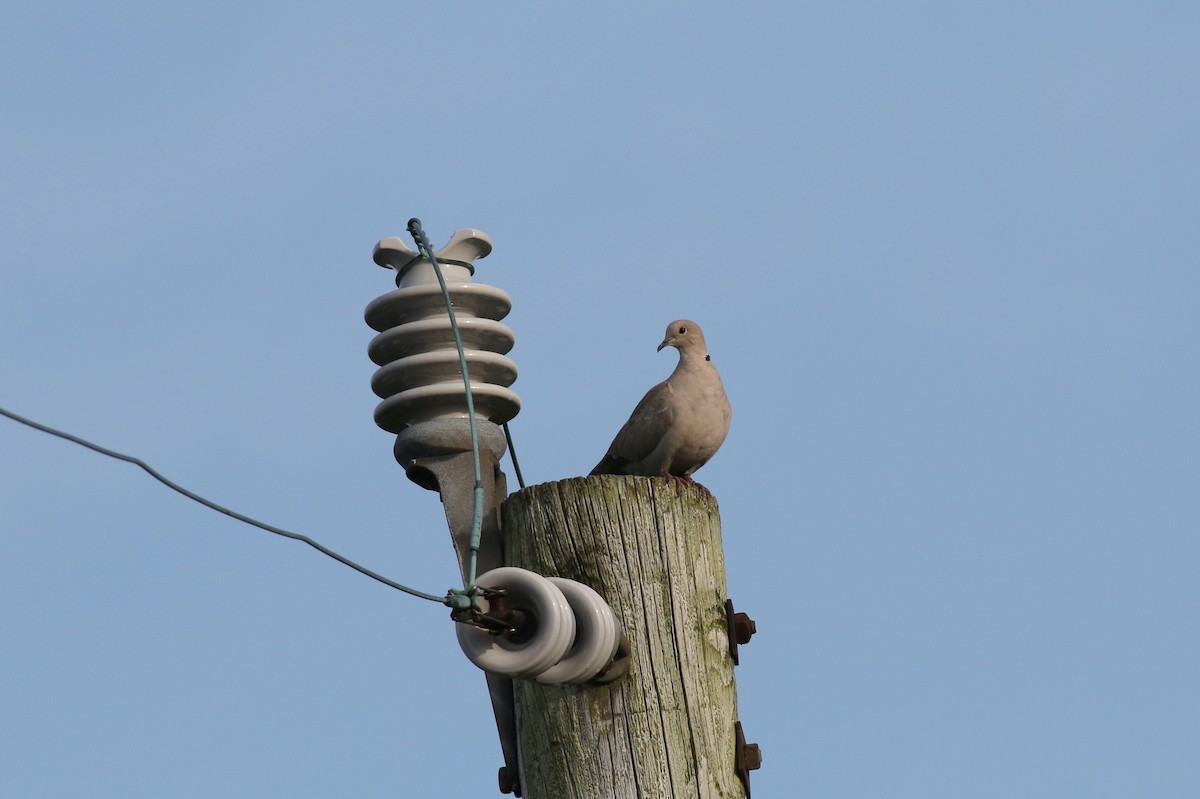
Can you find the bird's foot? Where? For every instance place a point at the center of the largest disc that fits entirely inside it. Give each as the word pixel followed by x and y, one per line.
pixel 686 479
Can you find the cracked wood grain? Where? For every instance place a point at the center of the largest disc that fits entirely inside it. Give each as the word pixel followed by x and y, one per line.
pixel 653 550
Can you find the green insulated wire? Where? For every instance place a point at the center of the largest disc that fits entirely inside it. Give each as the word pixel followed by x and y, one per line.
pixel 414 229
pixel 83 442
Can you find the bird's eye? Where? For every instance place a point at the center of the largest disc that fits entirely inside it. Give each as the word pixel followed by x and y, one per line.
pixel 682 330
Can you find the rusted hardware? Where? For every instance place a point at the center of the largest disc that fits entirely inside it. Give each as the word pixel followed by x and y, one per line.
pixel 498 618
pixel 492 617
pixel 747 757
pixel 509 783
pixel 618 665
pixel 741 627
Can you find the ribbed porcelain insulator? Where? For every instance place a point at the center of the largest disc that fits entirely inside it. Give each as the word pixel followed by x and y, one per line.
pixel 419 377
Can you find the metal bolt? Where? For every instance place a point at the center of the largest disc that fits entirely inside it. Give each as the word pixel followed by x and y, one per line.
pixel 619 665
pixel 753 757
pixel 509 782
pixel 741 628
pixel 747 757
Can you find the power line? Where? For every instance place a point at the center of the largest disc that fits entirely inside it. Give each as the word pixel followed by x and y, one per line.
pixel 220 508
pixel 512 453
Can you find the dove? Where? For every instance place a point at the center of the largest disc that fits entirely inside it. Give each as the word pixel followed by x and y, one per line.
pixel 681 422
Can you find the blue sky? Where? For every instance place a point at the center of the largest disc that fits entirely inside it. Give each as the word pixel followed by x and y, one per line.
pixel 946 259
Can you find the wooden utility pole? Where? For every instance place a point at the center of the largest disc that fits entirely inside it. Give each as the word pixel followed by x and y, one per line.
pixel 666 730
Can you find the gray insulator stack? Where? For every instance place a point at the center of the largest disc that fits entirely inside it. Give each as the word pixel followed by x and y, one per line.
pixel 419 377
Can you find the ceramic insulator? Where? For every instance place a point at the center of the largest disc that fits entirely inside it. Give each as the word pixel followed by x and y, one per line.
pixel 419 378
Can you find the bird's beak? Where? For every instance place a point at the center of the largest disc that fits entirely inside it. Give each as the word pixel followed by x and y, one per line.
pixel 666 342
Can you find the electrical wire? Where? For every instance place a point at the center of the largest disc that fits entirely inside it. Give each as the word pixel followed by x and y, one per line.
pixel 512 453
pixel 221 508
pixel 426 249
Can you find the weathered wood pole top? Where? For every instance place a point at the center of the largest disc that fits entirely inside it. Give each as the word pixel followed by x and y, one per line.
pixel 653 550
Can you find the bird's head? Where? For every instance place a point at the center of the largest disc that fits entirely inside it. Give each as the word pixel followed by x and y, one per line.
pixel 684 335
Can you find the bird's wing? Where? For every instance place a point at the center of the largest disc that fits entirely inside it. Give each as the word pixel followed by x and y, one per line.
pixel 638 437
